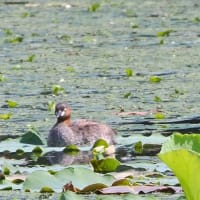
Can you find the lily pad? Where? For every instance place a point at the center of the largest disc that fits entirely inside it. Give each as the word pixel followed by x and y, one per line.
pixel 81 177
pixel 181 154
pixel 41 179
pixel 11 104
pixel 105 165
pixel 100 142
pixel 31 137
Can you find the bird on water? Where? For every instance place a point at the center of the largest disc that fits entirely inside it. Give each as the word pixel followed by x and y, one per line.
pixel 78 132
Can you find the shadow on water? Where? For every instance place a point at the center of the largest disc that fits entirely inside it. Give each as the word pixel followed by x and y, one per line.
pixel 166 127
pixel 123 153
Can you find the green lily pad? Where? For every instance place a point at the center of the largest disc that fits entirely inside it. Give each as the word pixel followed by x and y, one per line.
pixel 80 177
pixel 105 165
pixel 41 179
pixel 71 196
pixel 181 154
pixel 71 149
pixel 57 89
pixel 155 79
pixel 6 116
pixel 11 104
pixel 94 7
pixel 129 72
pixel 164 33
pixel 100 142
pixel 31 137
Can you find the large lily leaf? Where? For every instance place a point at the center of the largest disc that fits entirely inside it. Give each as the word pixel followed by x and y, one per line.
pixel 40 179
pixel 181 154
pixel 79 176
pixel 82 177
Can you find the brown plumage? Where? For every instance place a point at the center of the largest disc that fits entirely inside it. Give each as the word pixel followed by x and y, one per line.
pixel 78 132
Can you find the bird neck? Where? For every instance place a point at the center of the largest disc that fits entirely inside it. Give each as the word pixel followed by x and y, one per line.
pixel 66 120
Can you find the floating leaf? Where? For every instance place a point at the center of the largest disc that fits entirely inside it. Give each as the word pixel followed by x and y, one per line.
pixel 82 177
pixel 2 77
pixel 42 179
pixel 134 26
pixel 155 79
pixel 159 115
pixel 71 149
pixel 94 7
pixel 6 116
pixel 93 188
pixel 70 69
pixel 31 58
pixel 31 137
pixel 178 92
pixel 51 105
pixel 129 72
pixel 37 150
pixel 8 32
pixel 162 41
pixel 14 40
pixel 143 189
pixel 11 104
pixel 57 89
pixel 46 190
pixel 196 19
pixel 68 195
pixel 19 152
pixel 105 165
pixel 123 181
pixel 157 99
pixel 164 33
pixel 127 95
pixel 182 154
pixel 17 181
pixel 100 142
pixel 138 148
pixel 2 177
pixel 66 38
pixel 25 14
pixel 6 171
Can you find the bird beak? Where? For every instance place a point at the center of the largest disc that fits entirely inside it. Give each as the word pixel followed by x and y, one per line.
pixel 60 113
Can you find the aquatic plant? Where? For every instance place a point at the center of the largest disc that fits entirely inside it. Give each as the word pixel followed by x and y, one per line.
pixel 157 99
pixel 155 79
pixel 14 40
pixel 164 33
pixel 127 95
pixel 11 103
pixel 8 32
pixel 57 89
pixel 6 116
pixel 159 115
pixel 94 7
pixel 129 72
pixel 51 105
pixel 30 58
pixel 2 77
pixel 182 154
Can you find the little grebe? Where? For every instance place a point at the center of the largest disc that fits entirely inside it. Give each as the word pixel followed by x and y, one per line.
pixel 78 132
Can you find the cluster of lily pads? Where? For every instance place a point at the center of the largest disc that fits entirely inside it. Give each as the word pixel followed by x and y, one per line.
pixel 180 153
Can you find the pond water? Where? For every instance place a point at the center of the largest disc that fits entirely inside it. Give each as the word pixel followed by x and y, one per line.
pixel 85 54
